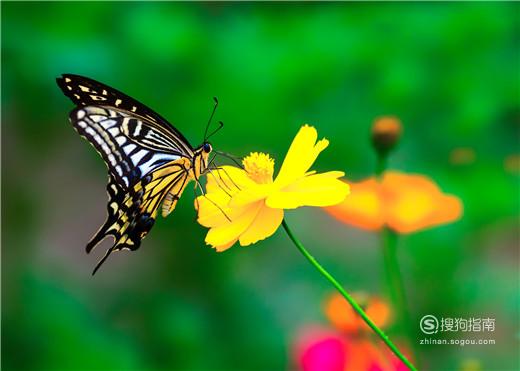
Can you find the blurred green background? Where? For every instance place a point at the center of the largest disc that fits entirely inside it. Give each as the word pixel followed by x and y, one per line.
pixel 448 70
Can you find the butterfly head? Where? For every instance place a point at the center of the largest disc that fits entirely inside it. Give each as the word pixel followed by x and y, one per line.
pixel 207 148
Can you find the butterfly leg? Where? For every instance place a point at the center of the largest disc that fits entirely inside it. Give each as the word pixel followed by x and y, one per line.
pixel 219 169
pixel 209 199
pixel 236 160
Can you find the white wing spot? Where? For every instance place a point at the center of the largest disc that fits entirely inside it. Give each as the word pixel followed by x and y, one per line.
pixel 98 139
pixel 129 148
pixel 91 132
pixel 118 102
pixel 120 140
pixel 105 148
pixel 147 166
pixel 113 131
pixel 107 124
pixel 138 156
pixel 84 88
pixel 137 129
pixel 81 114
pixel 97 118
pixel 112 159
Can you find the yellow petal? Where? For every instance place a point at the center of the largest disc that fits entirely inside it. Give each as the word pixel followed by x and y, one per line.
pixel 301 155
pixel 265 224
pixel 226 246
pixel 230 230
pixel 212 209
pixel 315 190
pixel 229 179
pixel 252 194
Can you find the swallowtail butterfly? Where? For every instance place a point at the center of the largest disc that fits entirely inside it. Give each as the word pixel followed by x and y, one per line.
pixel 149 161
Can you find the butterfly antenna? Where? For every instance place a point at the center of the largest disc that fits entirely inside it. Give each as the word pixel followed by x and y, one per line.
pixel 102 260
pixel 210 118
pixel 220 126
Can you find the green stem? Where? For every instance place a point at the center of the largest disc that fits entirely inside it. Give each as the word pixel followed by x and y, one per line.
pixel 347 296
pixel 380 165
pixel 394 278
pixel 395 283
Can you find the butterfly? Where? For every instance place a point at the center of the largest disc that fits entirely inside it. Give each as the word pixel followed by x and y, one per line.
pixel 149 161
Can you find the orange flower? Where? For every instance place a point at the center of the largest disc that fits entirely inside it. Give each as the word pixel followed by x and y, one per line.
pixel 348 345
pixel 405 203
pixel 344 318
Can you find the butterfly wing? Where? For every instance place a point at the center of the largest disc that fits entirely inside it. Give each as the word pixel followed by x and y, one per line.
pixel 130 147
pixel 87 92
pixel 147 158
pixel 132 213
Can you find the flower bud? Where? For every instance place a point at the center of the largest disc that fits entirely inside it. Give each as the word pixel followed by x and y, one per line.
pixel 386 132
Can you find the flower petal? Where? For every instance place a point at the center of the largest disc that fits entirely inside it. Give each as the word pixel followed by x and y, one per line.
pixel 362 208
pixel 213 209
pixel 229 179
pixel 229 231
pixel 320 349
pixel 300 156
pixel 225 246
pixel 265 224
pixel 251 194
pixel 315 190
pixel 415 202
pixel 405 202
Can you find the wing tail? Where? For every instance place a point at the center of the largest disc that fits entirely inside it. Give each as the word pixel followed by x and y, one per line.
pixel 102 260
pixel 132 213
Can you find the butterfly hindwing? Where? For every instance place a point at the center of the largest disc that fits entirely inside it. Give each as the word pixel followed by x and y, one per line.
pixel 132 213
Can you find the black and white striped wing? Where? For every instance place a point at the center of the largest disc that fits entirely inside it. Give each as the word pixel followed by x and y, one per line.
pixel 147 158
pixel 130 146
pixel 84 91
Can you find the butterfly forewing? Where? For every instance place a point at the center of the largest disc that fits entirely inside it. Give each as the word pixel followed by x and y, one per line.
pixel 87 92
pixel 129 146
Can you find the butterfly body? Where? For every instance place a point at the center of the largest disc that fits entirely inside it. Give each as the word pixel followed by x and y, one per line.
pixel 149 161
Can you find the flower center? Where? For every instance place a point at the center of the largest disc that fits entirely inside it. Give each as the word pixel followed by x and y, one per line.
pixel 259 167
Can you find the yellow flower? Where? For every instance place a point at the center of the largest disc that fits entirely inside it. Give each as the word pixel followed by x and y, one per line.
pixel 246 205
